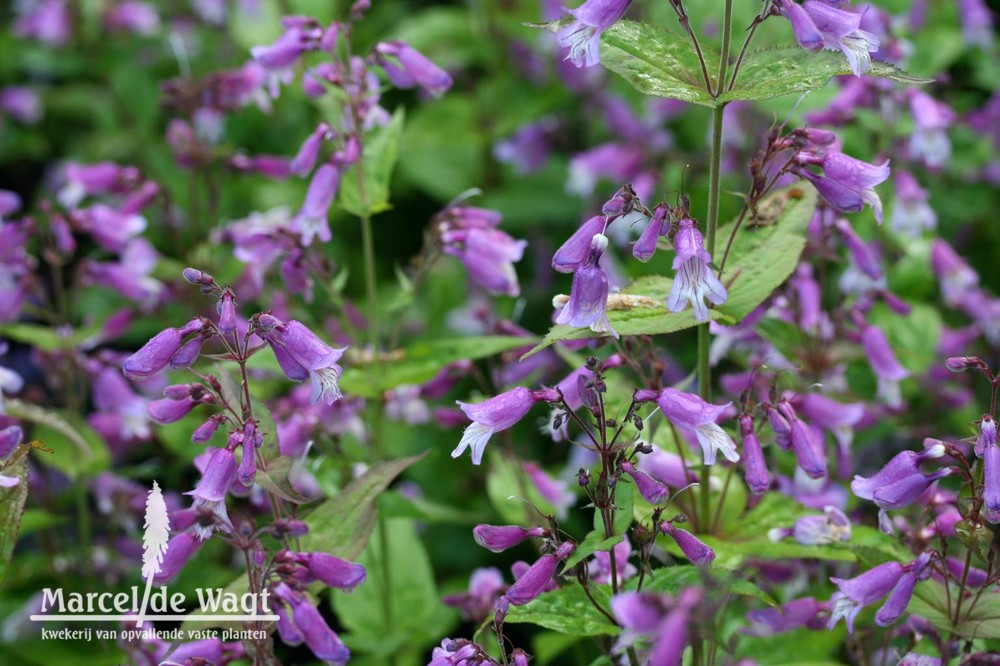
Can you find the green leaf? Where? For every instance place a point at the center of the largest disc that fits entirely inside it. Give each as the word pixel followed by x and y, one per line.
pixel 341 525
pixel 657 62
pixel 11 509
pixel 274 477
pixel 930 602
pixel 381 149
pixel 784 70
pixel 77 448
pixel 422 361
pixel 761 260
pixel 396 505
pixel 512 494
pixel 624 502
pixel 568 611
pixel 591 544
pixel 45 338
pixel 418 616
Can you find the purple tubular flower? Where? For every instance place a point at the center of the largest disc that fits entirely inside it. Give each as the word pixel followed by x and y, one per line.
pixel 693 548
pixel 536 579
pixel 485 587
pixel 958 280
pixel 841 30
pixel 317 634
pixel 301 355
pixel 687 410
pixel 987 435
pixel 499 538
pixel 311 220
pixel 794 614
pixel 758 478
pixel 900 482
pixel 583 36
pixel 668 468
pixel 206 430
pixel 552 490
pixel 808 452
pixel 929 141
pixel 806 32
pixel 651 490
pixel 645 247
pixel 856 593
pixel 977 23
pixel 664 620
pixel 574 252
pixel 497 413
pixel 489 256
pixel 847 184
pixel 887 368
pixel 188 353
pixel 589 295
pixel 226 307
pixel 305 159
pixel 695 280
pixel 179 550
pixel 831 527
pixel 156 354
pixel 334 571
pixel 899 598
pixel 991 476
pixel 170 411
pixel 211 490
pixel 407 67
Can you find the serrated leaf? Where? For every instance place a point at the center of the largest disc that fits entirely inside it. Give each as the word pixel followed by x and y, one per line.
pixel 657 62
pixel 568 611
pixel 421 361
pixel 784 70
pixel 381 150
pixel 341 525
pixel 11 510
pixel 592 543
pixel 762 258
pixel 930 602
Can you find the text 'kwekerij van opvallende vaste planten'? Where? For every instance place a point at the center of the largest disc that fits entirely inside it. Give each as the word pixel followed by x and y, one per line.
pixel 499 333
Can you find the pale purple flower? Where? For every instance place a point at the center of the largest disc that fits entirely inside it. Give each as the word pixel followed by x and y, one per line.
pixel 218 476
pixel 662 620
pixel 911 215
pixel 489 256
pixel 572 254
pixel 929 141
pixel 977 23
pixel 694 280
pixel 47 21
pixel 958 279
pixel 160 351
pixel 305 159
pixel 180 549
pixel 554 491
pixel 496 414
pixel 599 568
pixel 693 548
pixel 797 613
pixel 306 625
pixel 758 478
pixel 486 585
pixel 583 36
pixel 831 527
pixel 847 184
pixel 311 220
pixel 613 161
pixel 900 482
pixel 589 294
pixel 687 410
pixel 528 148
pixel 657 226
pixel 133 16
pixel 537 578
pixel 302 355
pixel 819 24
pixel 652 491
pixel 667 467
pixel 407 67
pixel 23 105
pixel 499 538
pixel 887 368
pixel 871 586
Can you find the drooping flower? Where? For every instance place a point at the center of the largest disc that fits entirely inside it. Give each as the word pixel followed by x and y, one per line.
pixel 899 482
pixel 489 256
pixel 583 35
pixel 692 547
pixel 929 141
pixel 831 527
pixel 589 295
pixel 912 215
pixel 499 538
pixel 871 586
pixel 758 478
pixel 497 413
pixel 687 410
pixel 486 585
pixel 885 365
pixel 311 220
pixel 958 279
pixel 407 67
pixel 572 254
pixel 302 355
pixel 695 280
pixel 662 620
pixel 536 579
pixel 847 184
pixel 819 24
pixel 160 351
pixel 651 490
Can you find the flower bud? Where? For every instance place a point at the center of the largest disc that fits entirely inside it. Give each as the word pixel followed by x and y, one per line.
pixel 499 538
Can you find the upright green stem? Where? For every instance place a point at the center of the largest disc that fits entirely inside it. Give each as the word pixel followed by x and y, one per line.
pixel 704 340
